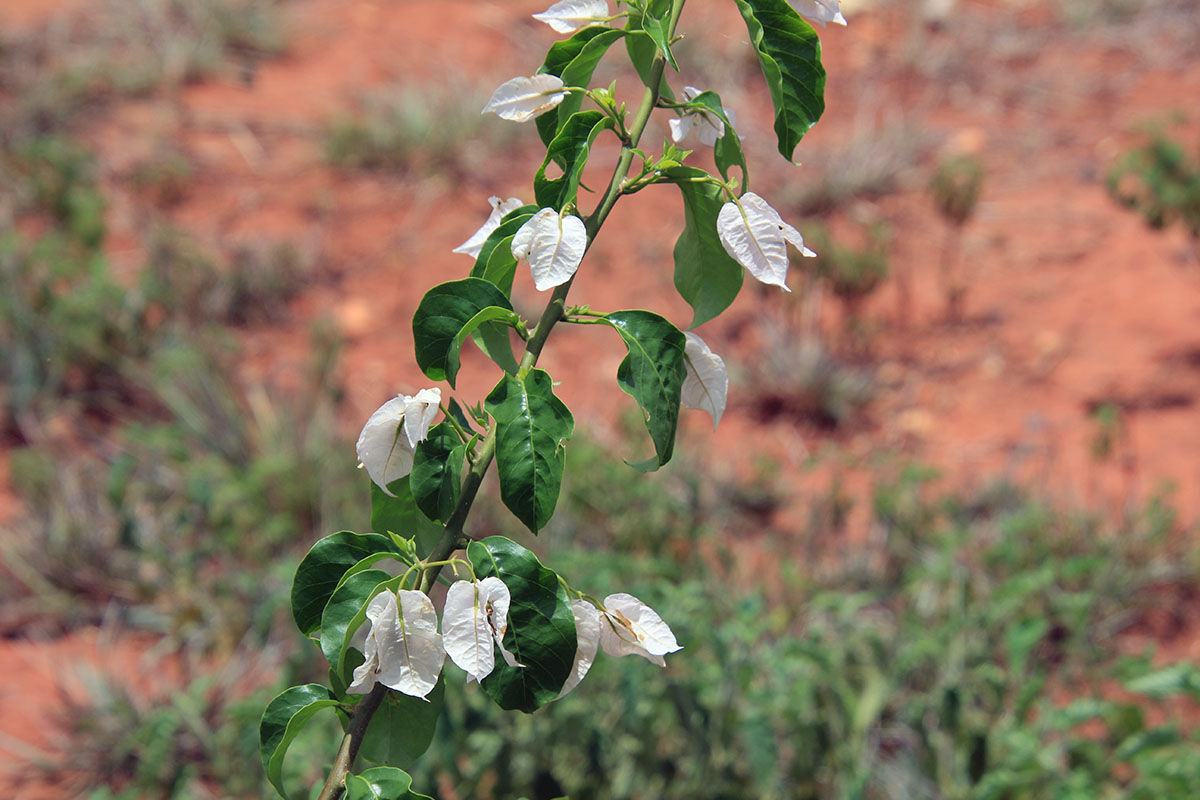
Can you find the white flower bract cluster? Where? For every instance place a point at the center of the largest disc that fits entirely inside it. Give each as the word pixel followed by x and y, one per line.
pixel 707 125
pixel 386 444
pixel 755 236
pixel 820 11
pixel 404 651
pixel 568 16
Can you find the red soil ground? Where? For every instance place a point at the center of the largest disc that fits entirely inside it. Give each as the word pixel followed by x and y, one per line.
pixel 1072 300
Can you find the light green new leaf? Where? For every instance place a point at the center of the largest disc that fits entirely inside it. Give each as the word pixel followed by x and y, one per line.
pixel 569 149
pixel 727 152
pixel 403 727
pixel 705 275
pixel 436 476
pixel 399 514
pixel 345 611
pixel 574 60
pixel 448 313
pixel 532 429
pixel 541 625
pixel 789 53
pixel 283 720
pixel 382 783
pixel 323 567
pixel 652 374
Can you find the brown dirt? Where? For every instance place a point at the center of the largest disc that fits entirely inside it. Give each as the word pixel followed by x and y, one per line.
pixel 1072 301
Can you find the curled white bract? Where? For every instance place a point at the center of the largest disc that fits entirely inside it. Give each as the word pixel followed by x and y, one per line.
pixel 554 243
pixel 706 381
pixel 820 11
pixel 386 444
pixel 755 236
pixel 587 642
pixel 629 627
pixel 522 98
pixel 475 615
pixel 708 126
pixel 402 647
pixel 569 16
pixel 473 245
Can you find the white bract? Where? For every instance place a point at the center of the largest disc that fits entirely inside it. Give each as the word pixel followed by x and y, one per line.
pixel 569 16
pixel 520 99
pixel 756 237
pixel 708 126
pixel 706 382
pixel 476 614
pixel 630 627
pixel 587 642
pixel 821 11
pixel 554 243
pixel 473 245
pixel 402 647
pixel 385 446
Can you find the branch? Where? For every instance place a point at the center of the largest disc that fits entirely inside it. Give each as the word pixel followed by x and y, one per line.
pixel 452 539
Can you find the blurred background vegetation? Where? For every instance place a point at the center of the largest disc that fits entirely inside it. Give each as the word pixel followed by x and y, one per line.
pixel 985 644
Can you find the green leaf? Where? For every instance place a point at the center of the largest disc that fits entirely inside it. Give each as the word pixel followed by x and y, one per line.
pixel 345 611
pixel 446 316
pixel 403 727
pixel 728 150
pixel 401 516
pixel 282 721
pixel 656 29
pixel 705 275
pixel 493 339
pixel 541 626
pixel 323 567
pixel 652 374
pixel 569 149
pixel 1020 639
pixel 574 60
pixel 642 51
pixel 1176 679
pixel 382 783
pixel 436 476
pixel 789 53
pixel 532 429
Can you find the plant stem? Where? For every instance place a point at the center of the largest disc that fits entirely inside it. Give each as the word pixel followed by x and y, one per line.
pixel 452 538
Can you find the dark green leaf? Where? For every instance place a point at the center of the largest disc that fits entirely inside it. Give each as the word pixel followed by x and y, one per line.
pixel 403 727
pixel 652 374
pixel 494 340
pixel 436 476
pixel 728 150
pixel 282 720
pixel 400 515
pixel 569 149
pixel 541 626
pixel 789 53
pixel 574 60
pixel 326 563
pixel 532 429
pixel 382 783
pixel 345 611
pixel 443 321
pixel 705 275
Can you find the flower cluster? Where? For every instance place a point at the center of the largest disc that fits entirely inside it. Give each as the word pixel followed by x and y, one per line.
pixel 386 444
pixel 403 650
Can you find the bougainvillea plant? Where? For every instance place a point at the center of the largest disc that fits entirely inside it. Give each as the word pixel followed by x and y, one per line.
pixel 520 630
